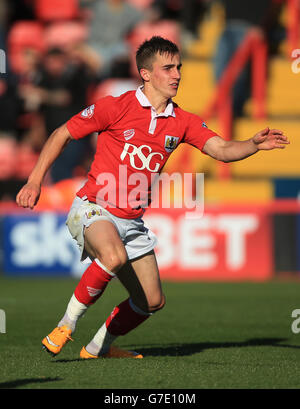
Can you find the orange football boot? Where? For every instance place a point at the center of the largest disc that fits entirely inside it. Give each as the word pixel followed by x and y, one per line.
pixel 113 352
pixel 57 339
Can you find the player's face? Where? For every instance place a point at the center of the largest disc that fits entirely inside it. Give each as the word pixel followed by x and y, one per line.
pixel 165 75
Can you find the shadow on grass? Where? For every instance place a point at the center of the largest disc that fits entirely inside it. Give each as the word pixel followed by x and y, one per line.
pixel 194 348
pixel 64 361
pixel 22 382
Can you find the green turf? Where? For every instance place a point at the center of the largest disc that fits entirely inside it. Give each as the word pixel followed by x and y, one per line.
pixel 210 335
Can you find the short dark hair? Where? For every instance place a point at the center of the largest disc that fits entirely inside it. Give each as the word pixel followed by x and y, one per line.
pixel 149 48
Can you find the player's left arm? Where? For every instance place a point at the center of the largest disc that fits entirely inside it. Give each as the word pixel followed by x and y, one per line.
pixel 230 151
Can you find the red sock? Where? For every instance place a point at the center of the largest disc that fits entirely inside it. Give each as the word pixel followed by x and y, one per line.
pixel 124 319
pixel 92 284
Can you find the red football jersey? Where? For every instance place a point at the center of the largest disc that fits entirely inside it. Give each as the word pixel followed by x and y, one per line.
pixel 134 143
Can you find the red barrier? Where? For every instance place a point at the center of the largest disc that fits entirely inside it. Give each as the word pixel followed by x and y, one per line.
pixel 227 244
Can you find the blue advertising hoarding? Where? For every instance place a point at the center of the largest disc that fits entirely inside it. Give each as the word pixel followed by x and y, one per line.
pixel 39 244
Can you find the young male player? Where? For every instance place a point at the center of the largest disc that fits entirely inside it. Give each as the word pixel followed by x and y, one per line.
pixel 137 133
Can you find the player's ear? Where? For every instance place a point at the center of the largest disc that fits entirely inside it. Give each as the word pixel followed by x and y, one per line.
pixel 145 74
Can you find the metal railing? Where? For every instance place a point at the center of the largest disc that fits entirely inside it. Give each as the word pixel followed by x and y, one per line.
pixel 293 25
pixel 254 48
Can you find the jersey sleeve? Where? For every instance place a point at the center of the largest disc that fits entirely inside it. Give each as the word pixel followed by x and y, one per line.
pixel 197 132
pixel 95 118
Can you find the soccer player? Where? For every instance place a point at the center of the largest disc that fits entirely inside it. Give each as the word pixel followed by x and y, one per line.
pixel 138 131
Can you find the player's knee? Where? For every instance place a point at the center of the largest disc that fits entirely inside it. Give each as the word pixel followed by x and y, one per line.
pixel 156 304
pixel 114 260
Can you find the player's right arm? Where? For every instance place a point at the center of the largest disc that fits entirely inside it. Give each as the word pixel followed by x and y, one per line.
pixel 29 195
pixel 95 118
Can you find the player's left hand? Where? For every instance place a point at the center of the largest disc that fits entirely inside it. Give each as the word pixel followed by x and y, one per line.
pixel 268 139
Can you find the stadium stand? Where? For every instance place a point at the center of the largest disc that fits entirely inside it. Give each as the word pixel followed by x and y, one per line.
pixel 24 35
pixel 251 178
pixel 65 33
pixel 57 24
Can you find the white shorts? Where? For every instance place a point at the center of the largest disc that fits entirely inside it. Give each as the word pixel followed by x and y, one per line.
pixel 137 239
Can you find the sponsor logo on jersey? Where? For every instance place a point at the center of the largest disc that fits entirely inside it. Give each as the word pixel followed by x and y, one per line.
pixel 128 134
pixel 171 142
pixel 142 157
pixel 88 112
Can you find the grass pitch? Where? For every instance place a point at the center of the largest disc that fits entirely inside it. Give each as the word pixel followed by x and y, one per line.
pixel 209 335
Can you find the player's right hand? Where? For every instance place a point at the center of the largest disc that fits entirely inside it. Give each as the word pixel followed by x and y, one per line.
pixel 29 195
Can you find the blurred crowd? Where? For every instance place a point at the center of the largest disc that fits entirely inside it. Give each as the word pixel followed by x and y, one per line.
pixel 61 53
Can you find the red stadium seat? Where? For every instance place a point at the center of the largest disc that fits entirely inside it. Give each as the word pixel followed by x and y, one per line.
pixel 26 159
pixel 7 158
pixel 62 34
pixel 24 35
pixel 53 10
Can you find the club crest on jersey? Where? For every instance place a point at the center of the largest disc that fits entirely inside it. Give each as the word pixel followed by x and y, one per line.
pixel 88 112
pixel 128 134
pixel 171 142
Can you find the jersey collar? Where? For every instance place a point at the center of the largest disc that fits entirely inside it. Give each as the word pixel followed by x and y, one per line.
pixel 143 100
